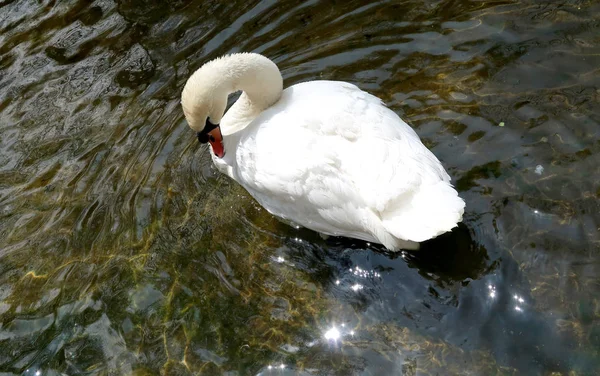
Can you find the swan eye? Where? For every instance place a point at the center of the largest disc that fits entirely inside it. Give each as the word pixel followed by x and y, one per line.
pixel 202 137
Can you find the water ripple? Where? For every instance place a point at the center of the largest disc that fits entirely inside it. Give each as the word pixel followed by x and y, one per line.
pixel 122 250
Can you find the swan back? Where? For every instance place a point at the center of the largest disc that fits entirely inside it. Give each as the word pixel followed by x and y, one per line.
pixel 333 158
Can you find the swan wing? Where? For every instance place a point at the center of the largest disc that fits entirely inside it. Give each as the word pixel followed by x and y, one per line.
pixel 336 157
pixel 295 174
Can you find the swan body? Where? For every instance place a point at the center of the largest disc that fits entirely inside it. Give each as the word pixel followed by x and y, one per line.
pixel 323 154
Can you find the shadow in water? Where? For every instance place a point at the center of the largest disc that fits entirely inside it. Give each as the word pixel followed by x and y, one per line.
pixel 449 292
pixel 450 257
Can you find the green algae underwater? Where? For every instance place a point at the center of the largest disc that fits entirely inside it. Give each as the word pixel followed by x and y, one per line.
pixel 122 252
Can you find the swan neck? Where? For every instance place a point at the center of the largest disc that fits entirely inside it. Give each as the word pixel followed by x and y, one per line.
pixel 258 77
pixel 206 92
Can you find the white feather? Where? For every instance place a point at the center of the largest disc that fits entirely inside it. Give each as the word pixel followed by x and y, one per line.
pixel 325 155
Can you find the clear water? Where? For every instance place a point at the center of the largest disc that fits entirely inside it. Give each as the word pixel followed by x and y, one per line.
pixel 123 252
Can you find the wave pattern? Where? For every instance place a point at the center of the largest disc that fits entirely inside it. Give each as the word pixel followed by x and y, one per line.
pixel 121 251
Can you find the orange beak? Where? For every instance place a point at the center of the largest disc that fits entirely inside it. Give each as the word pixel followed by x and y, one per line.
pixel 215 138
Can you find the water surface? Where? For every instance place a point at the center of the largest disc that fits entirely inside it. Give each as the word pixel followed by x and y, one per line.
pixel 123 252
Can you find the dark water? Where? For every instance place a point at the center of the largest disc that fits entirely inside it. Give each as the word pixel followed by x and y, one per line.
pixel 123 252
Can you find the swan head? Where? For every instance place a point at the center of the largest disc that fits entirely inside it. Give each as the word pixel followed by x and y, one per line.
pixel 204 101
pixel 204 97
pixel 211 133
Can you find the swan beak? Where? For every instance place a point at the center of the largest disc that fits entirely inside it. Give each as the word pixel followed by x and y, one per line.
pixel 215 138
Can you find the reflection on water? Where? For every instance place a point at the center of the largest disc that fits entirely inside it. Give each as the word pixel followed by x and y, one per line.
pixel 122 252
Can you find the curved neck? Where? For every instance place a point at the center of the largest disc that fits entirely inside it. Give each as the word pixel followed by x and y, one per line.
pixel 205 93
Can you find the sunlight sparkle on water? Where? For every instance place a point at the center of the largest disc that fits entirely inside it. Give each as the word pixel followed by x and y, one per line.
pixel 332 334
pixel 519 300
pixel 359 272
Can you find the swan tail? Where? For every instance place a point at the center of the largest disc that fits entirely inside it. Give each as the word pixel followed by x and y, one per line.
pixel 383 236
pixel 432 211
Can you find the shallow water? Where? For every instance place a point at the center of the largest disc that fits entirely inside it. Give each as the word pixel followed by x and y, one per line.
pixel 123 252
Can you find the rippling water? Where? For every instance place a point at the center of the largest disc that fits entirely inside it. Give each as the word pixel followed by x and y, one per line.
pixel 123 252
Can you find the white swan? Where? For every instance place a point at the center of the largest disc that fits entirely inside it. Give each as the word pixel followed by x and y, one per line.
pixel 323 154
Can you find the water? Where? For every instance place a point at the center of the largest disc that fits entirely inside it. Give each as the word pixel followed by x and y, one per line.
pixel 123 252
